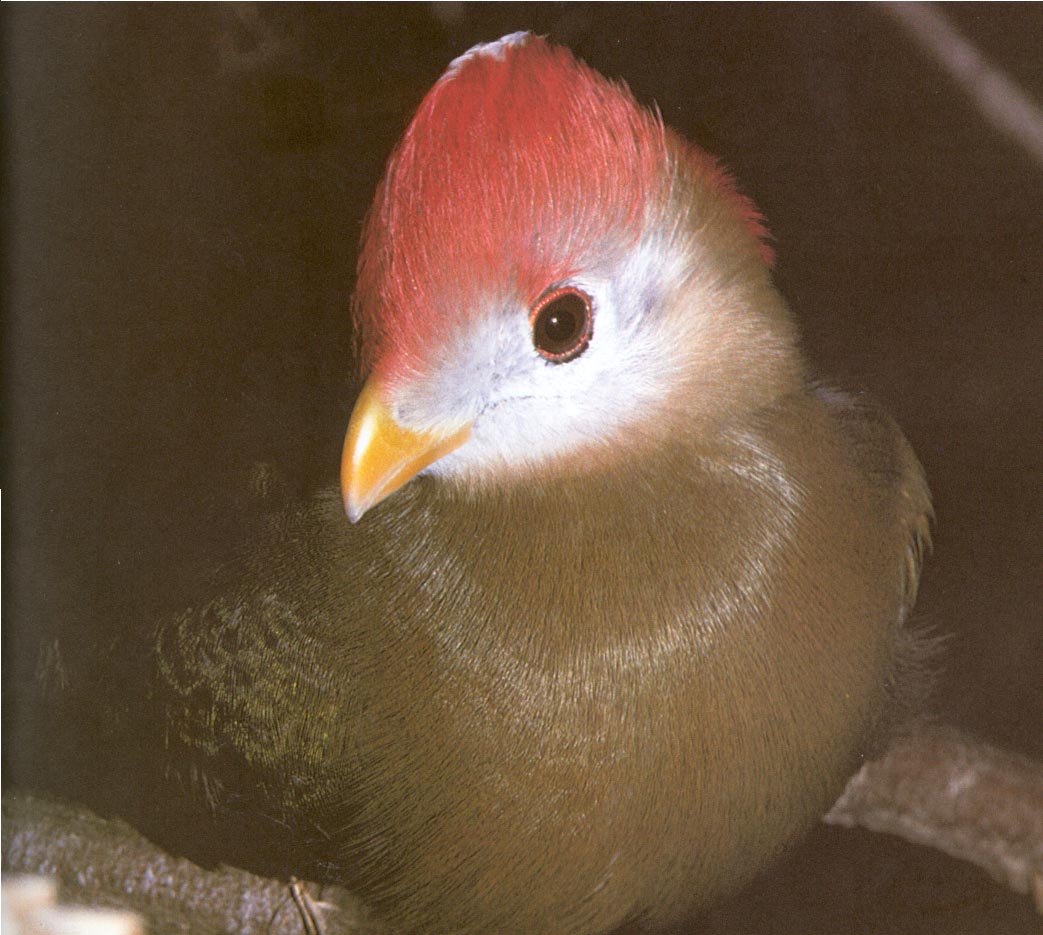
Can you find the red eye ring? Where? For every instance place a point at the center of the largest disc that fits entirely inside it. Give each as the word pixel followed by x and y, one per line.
pixel 562 322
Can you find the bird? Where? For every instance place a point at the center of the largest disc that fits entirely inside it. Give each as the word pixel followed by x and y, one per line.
pixel 615 593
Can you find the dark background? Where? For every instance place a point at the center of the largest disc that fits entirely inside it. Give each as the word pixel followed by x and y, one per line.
pixel 184 189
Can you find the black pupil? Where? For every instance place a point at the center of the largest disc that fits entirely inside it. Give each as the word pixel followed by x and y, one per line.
pixel 561 326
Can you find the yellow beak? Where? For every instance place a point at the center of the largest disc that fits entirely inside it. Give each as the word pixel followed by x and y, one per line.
pixel 380 455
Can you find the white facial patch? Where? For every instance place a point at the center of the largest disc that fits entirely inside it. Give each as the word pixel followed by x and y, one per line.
pixel 526 410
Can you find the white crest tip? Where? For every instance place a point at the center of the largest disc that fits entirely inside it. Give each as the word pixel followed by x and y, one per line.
pixel 495 49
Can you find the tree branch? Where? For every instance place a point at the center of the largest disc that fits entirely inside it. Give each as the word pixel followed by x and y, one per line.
pixel 106 863
pixel 934 786
pixel 970 800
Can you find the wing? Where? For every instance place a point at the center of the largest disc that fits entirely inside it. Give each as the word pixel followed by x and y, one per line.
pixel 254 689
pixel 887 459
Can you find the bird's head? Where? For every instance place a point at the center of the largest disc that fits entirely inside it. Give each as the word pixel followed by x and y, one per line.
pixel 551 280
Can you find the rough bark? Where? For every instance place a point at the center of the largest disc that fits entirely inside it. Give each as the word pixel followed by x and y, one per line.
pixel 972 801
pixel 106 863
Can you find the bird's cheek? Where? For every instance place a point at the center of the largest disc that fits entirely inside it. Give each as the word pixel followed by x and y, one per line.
pixel 380 455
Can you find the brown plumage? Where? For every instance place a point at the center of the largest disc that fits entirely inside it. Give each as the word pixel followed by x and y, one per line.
pixel 597 665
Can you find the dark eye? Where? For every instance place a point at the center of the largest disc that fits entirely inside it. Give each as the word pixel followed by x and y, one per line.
pixel 562 324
